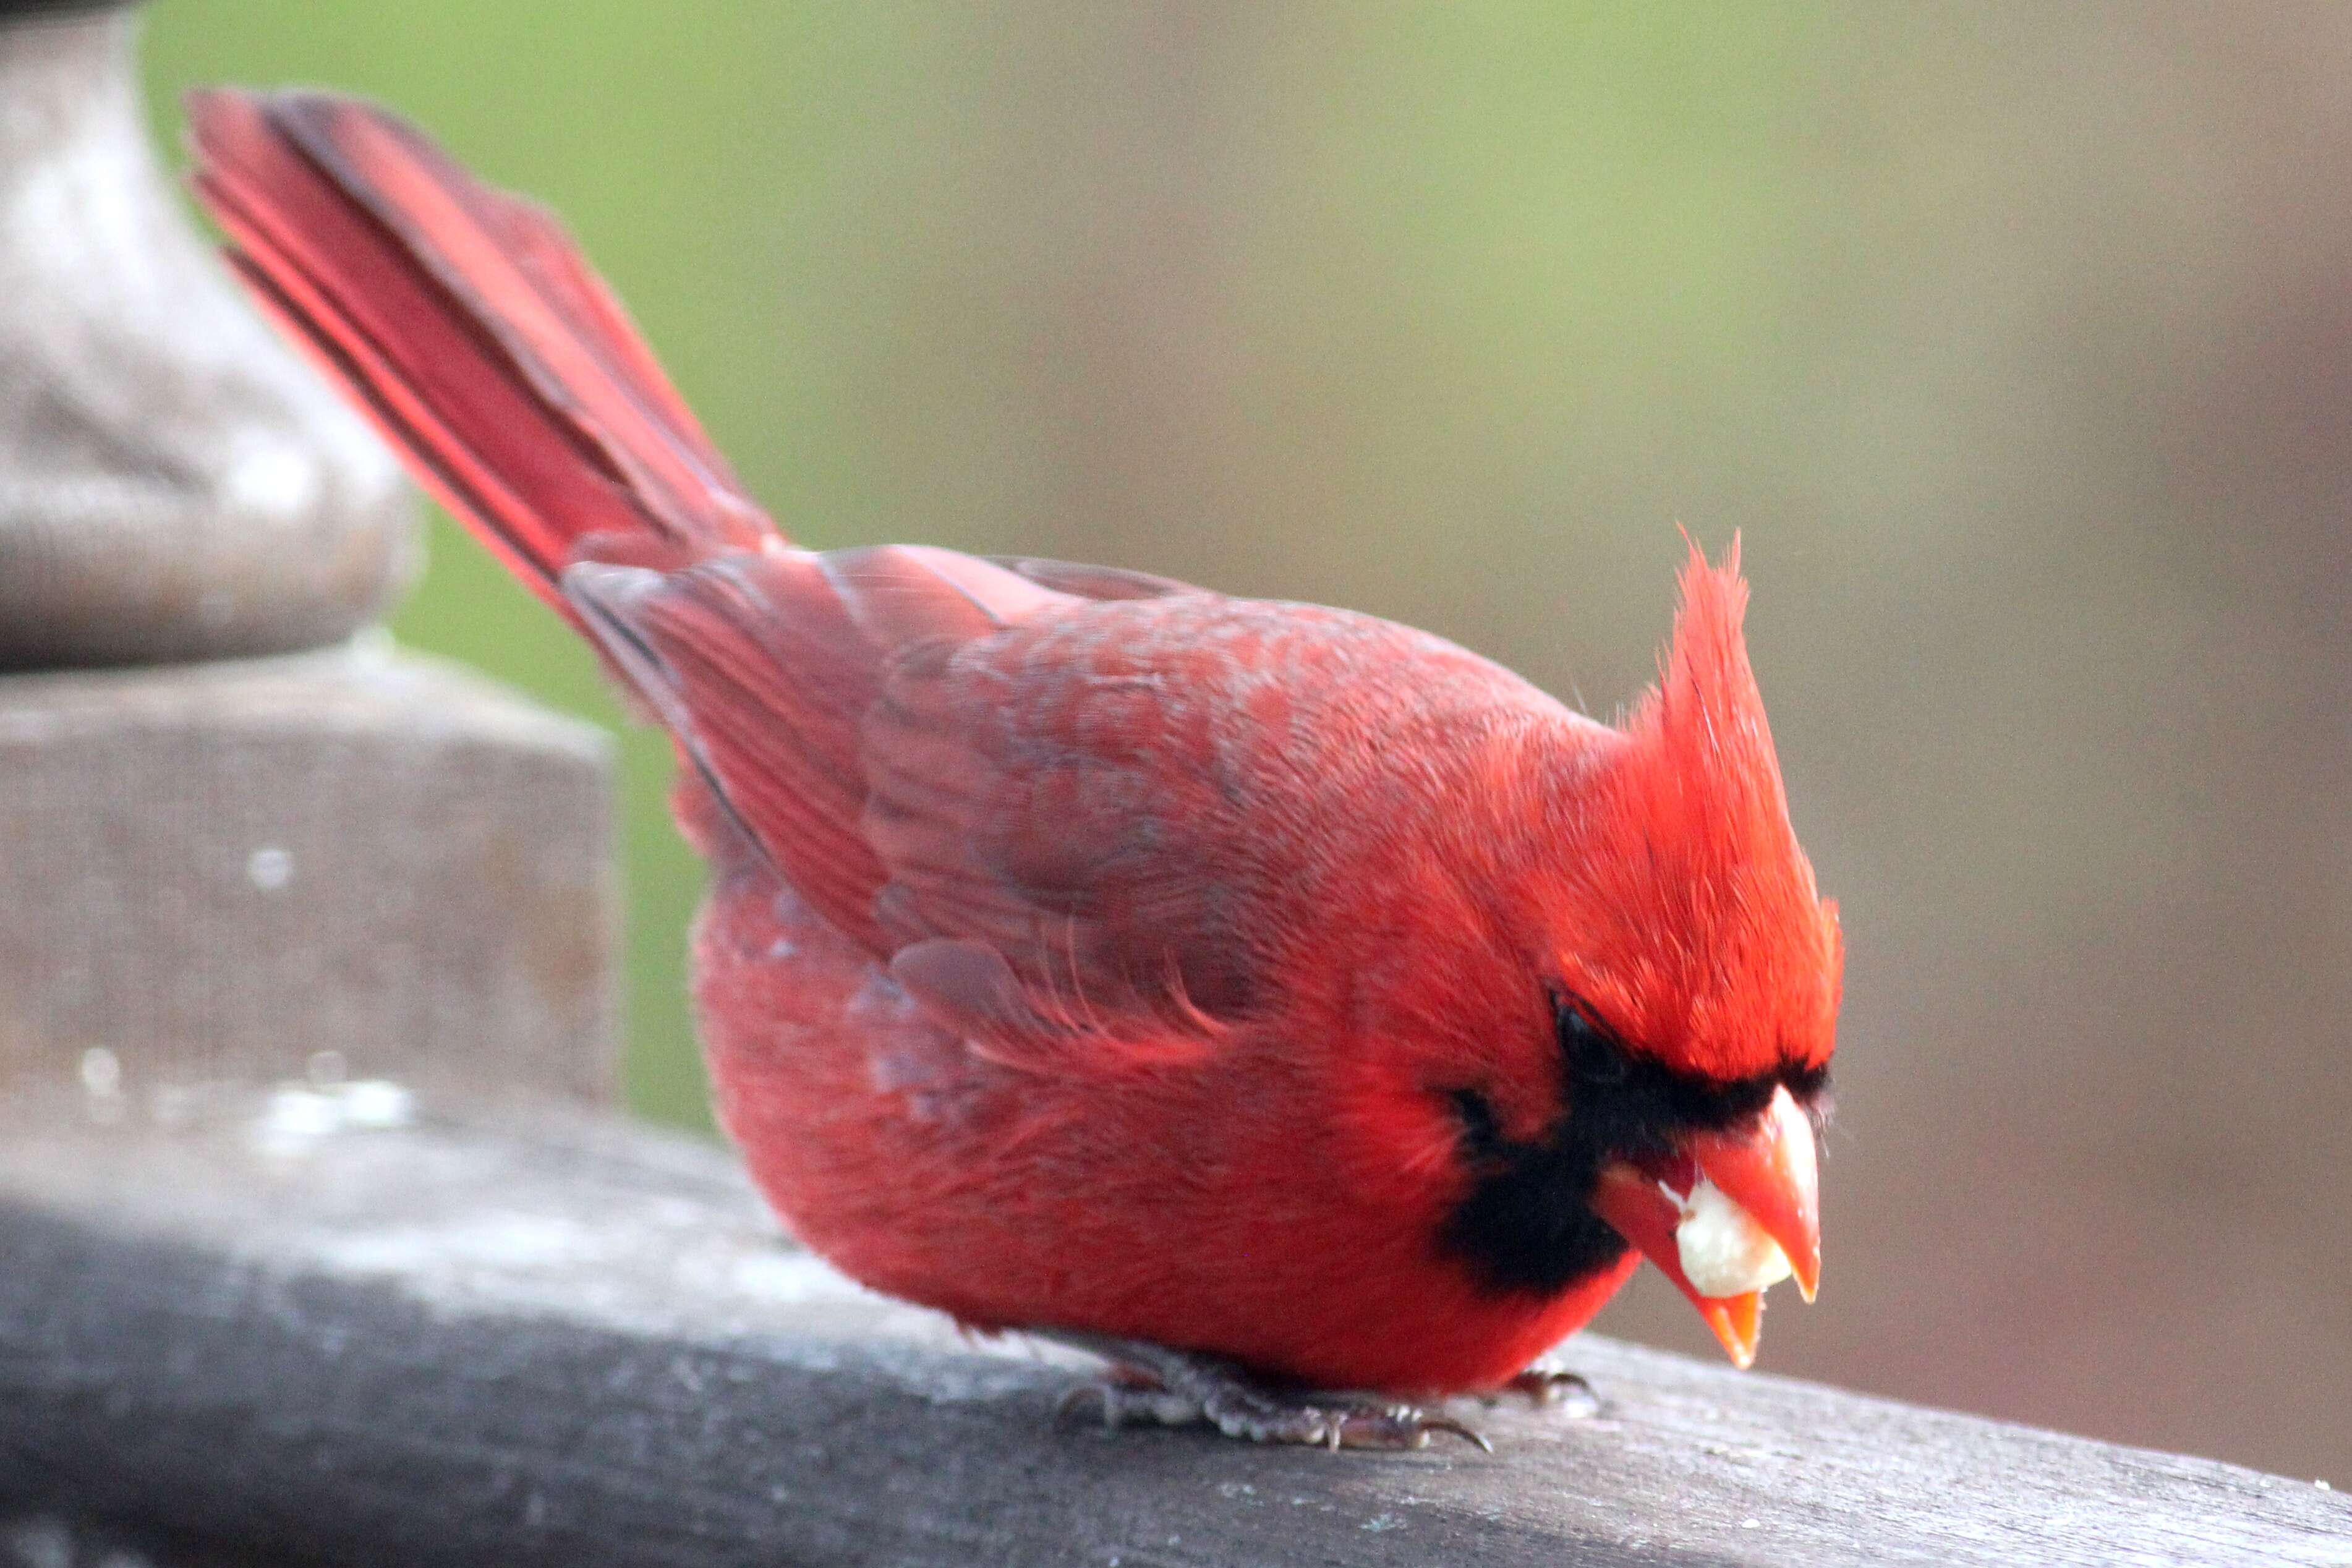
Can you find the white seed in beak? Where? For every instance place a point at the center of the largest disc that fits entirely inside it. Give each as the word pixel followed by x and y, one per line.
pixel 1724 1251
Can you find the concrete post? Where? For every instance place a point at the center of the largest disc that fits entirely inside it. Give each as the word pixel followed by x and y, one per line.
pixel 224 861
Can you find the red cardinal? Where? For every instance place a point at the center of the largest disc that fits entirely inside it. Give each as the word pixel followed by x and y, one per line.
pixel 1269 998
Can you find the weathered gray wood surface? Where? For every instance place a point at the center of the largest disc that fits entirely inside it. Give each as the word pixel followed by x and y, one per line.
pixel 570 1342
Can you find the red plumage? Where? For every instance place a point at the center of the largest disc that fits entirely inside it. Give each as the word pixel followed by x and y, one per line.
pixel 1086 951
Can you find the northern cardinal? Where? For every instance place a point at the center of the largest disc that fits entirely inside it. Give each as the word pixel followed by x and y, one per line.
pixel 1270 998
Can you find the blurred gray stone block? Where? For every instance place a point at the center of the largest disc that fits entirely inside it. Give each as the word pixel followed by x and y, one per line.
pixel 218 872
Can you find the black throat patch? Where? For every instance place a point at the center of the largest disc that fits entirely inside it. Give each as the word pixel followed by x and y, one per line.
pixel 1526 1225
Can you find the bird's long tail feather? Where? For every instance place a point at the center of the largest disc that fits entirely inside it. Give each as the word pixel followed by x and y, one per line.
pixel 466 323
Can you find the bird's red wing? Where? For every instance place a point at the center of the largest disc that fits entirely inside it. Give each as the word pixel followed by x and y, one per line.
pixel 960 771
pixel 764 666
pixel 1050 823
pixel 1141 804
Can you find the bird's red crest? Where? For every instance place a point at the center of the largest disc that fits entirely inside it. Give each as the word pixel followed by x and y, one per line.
pixel 1738 959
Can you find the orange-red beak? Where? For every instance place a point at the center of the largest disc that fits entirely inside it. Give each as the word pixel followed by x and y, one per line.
pixel 1767 1166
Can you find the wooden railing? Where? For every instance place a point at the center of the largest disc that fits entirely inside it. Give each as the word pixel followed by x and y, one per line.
pixel 319 1326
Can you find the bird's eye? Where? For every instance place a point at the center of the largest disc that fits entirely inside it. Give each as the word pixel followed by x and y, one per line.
pixel 1595 1056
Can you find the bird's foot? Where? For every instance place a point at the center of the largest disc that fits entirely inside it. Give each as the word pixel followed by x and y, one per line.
pixel 1550 1387
pixel 1155 1385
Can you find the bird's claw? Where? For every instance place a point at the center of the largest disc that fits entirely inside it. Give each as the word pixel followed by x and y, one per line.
pixel 1553 1388
pixel 1332 1421
pixel 1168 1388
pixel 1128 1403
pixel 1320 1421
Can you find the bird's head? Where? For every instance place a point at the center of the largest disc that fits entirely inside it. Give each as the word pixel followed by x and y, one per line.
pixel 1681 1011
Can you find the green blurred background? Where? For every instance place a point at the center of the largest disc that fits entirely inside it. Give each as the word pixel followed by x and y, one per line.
pixel 2013 336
